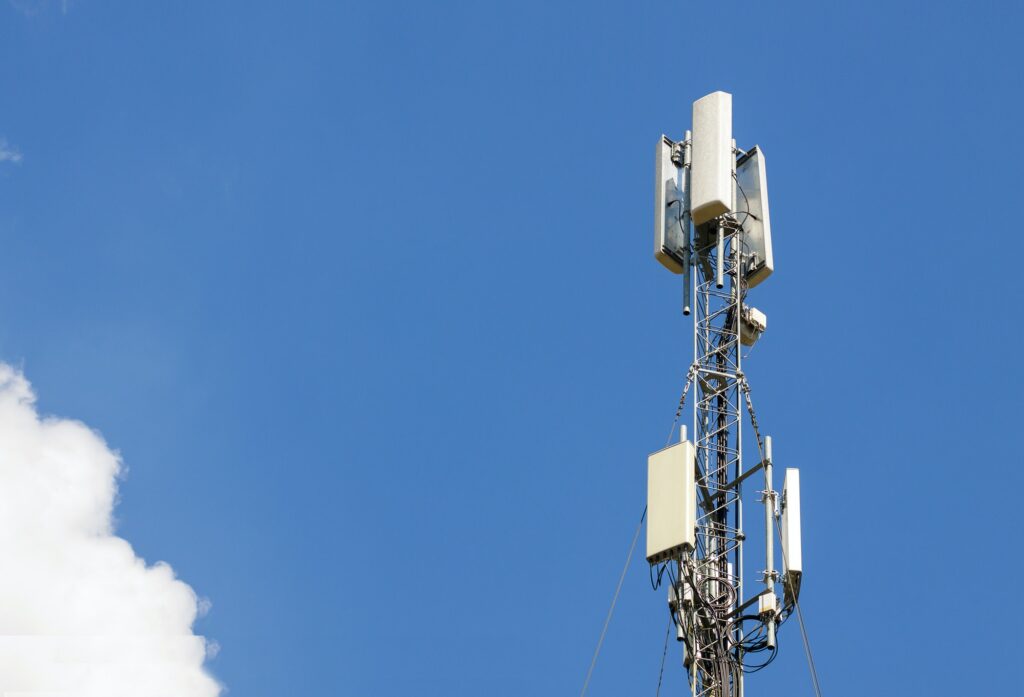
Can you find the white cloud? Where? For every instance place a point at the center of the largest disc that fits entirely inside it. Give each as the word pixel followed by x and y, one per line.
pixel 80 614
pixel 9 153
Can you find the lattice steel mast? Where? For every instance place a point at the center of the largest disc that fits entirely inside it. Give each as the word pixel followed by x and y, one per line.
pixel 716 568
pixel 695 498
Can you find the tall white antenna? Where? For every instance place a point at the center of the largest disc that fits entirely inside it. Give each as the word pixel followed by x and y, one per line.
pixel 712 226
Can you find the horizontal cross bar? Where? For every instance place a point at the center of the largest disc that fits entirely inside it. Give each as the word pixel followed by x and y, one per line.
pixel 758 467
pixel 747 604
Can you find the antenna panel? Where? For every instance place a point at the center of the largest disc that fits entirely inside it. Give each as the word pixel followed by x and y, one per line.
pixel 671 209
pixel 752 213
pixel 671 502
pixel 712 158
pixel 791 549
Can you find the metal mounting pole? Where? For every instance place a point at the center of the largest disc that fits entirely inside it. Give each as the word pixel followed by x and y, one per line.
pixel 720 257
pixel 769 540
pixel 688 250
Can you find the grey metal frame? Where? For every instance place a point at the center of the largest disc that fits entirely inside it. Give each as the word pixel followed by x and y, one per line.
pixel 717 566
pixel 707 598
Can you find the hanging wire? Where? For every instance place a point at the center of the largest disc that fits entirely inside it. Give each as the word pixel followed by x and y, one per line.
pixel 800 621
pixel 664 653
pixel 629 555
pixel 615 599
pixel 785 561
pixel 682 402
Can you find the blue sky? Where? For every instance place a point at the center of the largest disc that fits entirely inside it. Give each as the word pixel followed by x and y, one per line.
pixel 363 294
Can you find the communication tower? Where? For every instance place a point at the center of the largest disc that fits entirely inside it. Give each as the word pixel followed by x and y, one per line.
pixel 712 226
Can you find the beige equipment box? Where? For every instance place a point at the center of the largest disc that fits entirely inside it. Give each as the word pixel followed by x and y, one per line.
pixel 671 502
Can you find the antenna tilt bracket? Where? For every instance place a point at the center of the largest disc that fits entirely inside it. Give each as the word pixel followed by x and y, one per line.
pixel 677 154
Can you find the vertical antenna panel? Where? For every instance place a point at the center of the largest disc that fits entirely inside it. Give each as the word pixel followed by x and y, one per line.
pixel 711 169
pixel 671 502
pixel 752 213
pixel 671 214
pixel 791 549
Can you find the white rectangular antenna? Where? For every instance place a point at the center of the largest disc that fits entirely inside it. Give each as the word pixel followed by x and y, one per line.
pixel 791 549
pixel 671 502
pixel 712 158
pixel 671 212
pixel 752 214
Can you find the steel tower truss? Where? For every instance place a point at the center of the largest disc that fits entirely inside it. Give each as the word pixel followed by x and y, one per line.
pixel 716 570
pixel 727 630
pixel 720 628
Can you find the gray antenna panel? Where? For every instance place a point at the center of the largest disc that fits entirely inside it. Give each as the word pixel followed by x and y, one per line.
pixel 791 543
pixel 752 213
pixel 671 212
pixel 712 159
